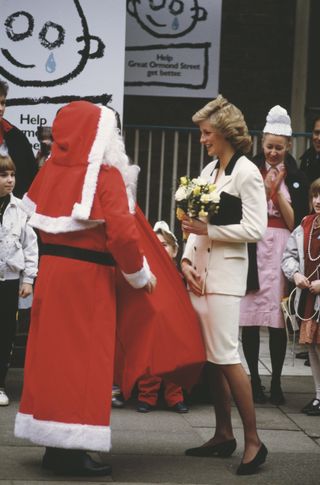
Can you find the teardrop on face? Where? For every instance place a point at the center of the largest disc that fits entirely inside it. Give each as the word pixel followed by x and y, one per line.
pixel 175 23
pixel 51 63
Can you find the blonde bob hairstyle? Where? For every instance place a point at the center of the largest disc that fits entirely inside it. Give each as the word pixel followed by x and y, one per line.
pixel 228 120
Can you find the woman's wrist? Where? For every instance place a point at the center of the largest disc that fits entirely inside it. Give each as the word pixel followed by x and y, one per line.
pixel 184 264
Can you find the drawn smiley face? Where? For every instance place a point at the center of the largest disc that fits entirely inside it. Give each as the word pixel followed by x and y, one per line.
pixel 42 45
pixel 166 18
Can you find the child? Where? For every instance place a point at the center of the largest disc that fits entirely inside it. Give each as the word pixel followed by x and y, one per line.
pixel 301 264
pixel 148 386
pixel 18 264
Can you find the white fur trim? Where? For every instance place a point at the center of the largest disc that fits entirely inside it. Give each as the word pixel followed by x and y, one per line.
pixel 115 156
pixel 63 435
pixel 141 277
pixel 105 130
pixel 107 148
pixel 131 180
pixel 28 205
pixel 56 225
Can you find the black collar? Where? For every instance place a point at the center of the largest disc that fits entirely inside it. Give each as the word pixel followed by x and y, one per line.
pixel 231 164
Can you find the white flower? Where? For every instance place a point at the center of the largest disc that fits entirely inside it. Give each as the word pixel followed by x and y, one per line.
pixel 215 198
pixel 211 197
pixel 199 181
pixel 182 193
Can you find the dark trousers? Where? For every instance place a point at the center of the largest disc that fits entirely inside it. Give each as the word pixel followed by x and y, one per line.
pixel 9 296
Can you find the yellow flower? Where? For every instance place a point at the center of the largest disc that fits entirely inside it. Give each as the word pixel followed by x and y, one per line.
pixel 180 213
pixel 203 213
pixel 183 180
pixel 212 187
pixel 197 190
pixel 205 198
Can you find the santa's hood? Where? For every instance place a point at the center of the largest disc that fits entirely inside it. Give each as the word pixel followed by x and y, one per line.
pixel 85 137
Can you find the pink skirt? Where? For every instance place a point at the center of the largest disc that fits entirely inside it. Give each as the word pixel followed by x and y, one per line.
pixel 262 308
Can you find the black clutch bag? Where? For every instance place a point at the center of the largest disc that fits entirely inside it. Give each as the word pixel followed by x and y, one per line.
pixel 230 212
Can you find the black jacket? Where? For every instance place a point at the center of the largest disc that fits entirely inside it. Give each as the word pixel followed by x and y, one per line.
pixel 22 155
pixel 297 183
pixel 310 164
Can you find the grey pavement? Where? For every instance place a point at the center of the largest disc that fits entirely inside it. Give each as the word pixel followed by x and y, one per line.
pixel 149 449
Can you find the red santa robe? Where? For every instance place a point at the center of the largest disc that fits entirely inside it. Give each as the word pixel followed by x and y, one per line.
pixel 79 200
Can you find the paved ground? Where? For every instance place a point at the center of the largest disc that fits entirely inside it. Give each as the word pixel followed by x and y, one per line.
pixel 148 449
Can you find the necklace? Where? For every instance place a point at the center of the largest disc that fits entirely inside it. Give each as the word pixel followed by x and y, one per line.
pixel 310 239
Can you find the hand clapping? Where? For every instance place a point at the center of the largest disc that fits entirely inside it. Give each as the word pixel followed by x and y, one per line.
pixel 273 181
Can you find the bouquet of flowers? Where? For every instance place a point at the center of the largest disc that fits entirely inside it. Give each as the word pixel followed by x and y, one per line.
pixel 196 198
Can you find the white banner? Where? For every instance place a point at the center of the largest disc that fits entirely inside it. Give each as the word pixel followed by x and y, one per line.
pixel 173 47
pixel 52 52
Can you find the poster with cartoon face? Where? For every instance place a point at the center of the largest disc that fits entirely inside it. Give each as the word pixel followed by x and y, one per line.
pixel 54 52
pixel 173 47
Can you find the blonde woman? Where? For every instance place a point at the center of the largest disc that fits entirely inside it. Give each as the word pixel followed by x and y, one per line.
pixel 287 194
pixel 215 265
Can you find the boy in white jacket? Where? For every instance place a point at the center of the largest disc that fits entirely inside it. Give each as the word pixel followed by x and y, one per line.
pixel 18 264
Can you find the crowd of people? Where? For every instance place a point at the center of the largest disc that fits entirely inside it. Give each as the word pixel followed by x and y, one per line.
pixel 76 201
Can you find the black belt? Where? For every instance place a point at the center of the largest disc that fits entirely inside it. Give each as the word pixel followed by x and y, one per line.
pixel 77 253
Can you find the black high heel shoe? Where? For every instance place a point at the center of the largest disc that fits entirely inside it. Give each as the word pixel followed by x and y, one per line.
pixel 276 395
pixel 258 394
pixel 251 467
pixel 223 450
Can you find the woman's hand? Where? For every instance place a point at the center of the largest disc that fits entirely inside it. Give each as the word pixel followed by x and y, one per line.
pixel 278 179
pixel 301 281
pixel 194 226
pixel 273 181
pixel 315 287
pixel 25 290
pixel 272 184
pixel 192 277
